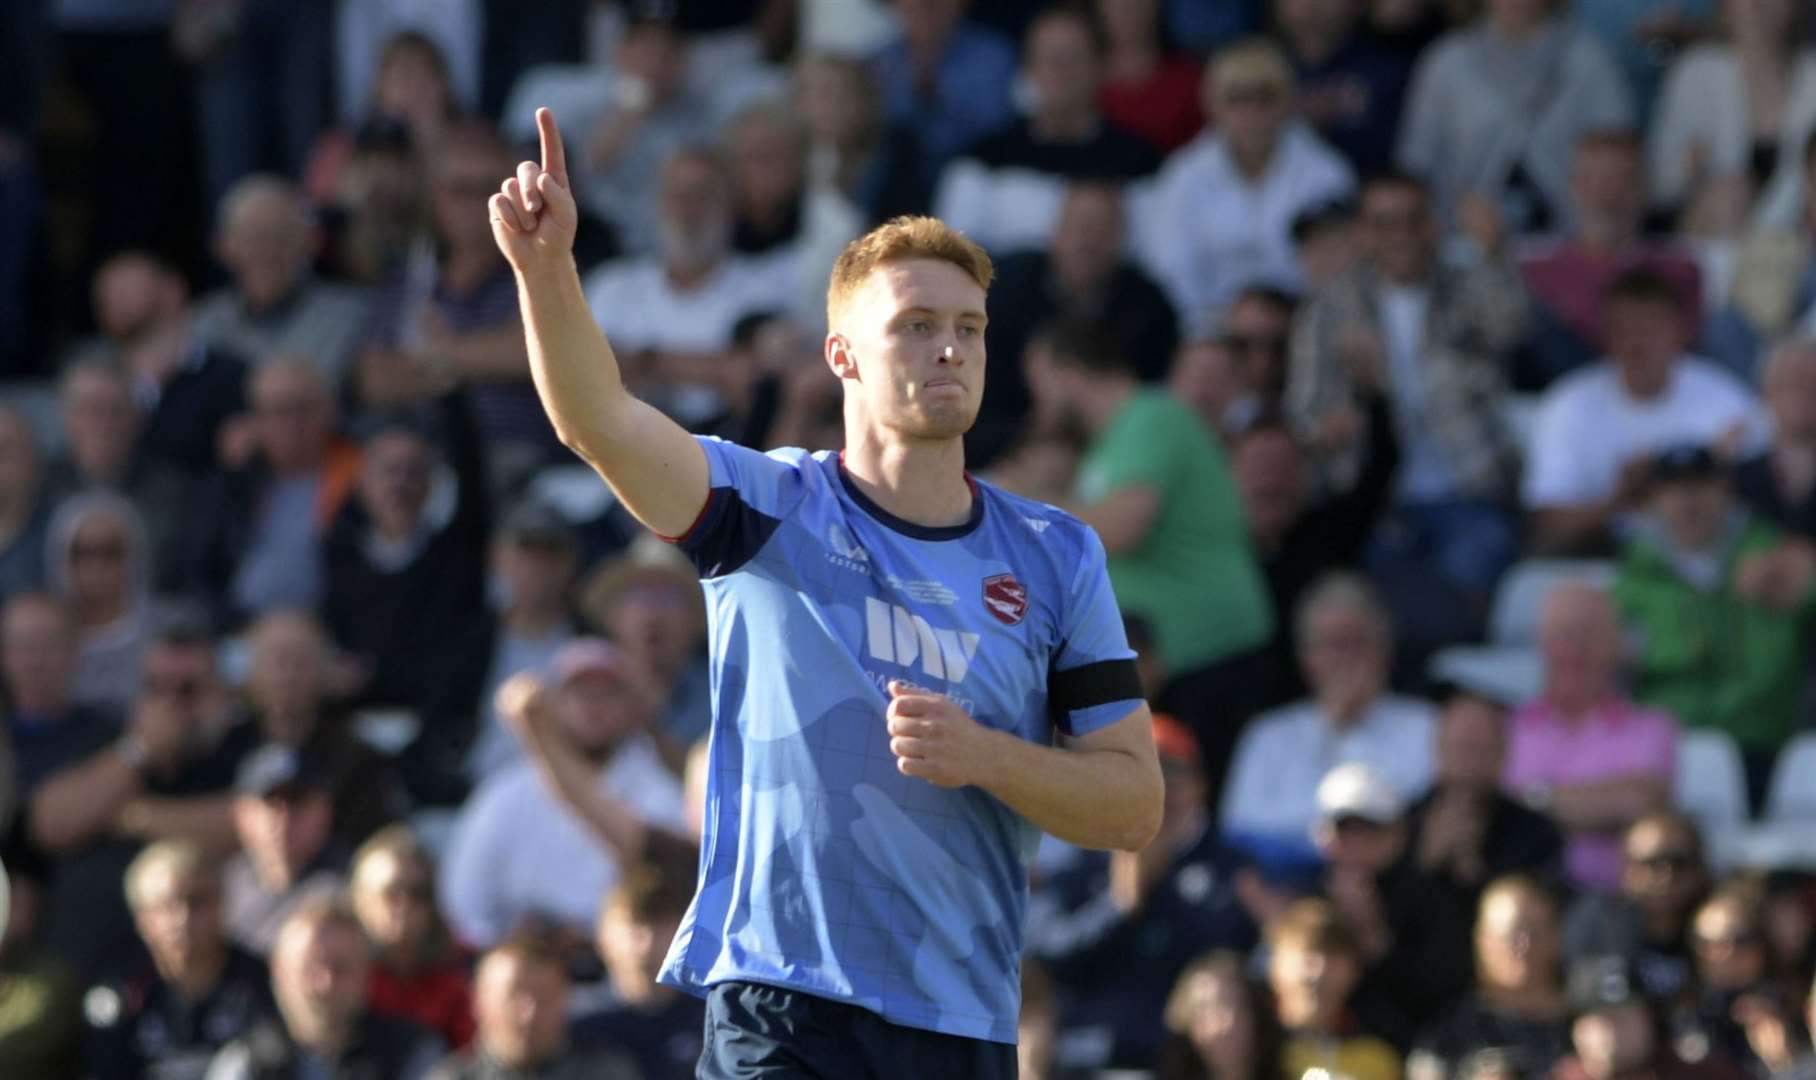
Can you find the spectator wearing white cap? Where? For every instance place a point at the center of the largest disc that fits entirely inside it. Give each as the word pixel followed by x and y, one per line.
pixel 546 838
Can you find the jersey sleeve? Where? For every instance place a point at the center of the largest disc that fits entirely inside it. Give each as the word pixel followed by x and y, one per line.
pixel 1092 681
pixel 748 496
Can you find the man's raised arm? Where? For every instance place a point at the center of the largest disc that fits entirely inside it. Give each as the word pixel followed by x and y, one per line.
pixel 655 466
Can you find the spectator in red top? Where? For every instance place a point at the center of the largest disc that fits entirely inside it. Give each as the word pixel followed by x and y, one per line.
pixel 1570 275
pixel 1147 90
pixel 417 972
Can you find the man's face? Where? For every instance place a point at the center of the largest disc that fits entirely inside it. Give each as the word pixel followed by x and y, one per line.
pixel 1312 985
pixel 100 422
pixel 1791 395
pixel 183 675
pixel 1062 64
pixel 655 620
pixel 319 976
pixel 288 657
pixel 132 295
pixel 396 479
pixel 535 572
pixel 1661 871
pixel 1607 183
pixel 520 1006
pixel 830 96
pixel 1342 652
pixel 1516 941
pixel 1579 639
pixel 1270 478
pixel 1644 338
pixel 100 561
pixel 598 710
pixel 1471 745
pixel 1258 329
pixel 40 654
pixel 695 211
pixel 394 898
pixel 283 833
pixel 1729 948
pixel 1614 1040
pixel 766 158
pixel 1356 843
pixel 634 949
pixel 265 245
pixel 293 415
pixel 656 56
pixel 1397 229
pixel 1087 245
pixel 1250 108
pixel 411 87
pixel 1691 510
pixel 895 333
pixel 466 175
pixel 179 918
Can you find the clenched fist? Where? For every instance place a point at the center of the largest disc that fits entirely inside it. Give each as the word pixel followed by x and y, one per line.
pixel 932 738
pixel 533 215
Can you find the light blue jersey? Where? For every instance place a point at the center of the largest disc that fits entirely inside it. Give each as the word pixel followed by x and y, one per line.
pixel 823 868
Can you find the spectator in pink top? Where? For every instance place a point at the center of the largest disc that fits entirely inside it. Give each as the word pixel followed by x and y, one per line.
pixel 1583 752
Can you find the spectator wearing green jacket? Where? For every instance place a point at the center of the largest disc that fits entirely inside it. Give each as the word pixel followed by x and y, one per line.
pixel 1719 603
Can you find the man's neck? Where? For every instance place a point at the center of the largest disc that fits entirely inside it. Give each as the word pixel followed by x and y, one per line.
pixel 1346 710
pixel 1574 704
pixel 197 980
pixel 920 482
pixel 268 304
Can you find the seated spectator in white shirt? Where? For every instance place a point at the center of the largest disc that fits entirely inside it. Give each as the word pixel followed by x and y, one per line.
pixel 545 838
pixel 670 315
pixel 1221 213
pixel 1005 190
pixel 273 306
pixel 1345 649
pixel 792 229
pixel 1598 428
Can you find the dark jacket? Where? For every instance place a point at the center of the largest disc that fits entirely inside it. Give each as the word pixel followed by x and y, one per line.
pixel 570 1065
pixel 139 1021
pixel 381 1049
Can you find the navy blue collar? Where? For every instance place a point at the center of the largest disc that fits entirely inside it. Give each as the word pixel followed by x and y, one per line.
pixel 909 528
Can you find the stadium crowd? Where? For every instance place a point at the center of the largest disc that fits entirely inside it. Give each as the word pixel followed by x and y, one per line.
pixel 1440 376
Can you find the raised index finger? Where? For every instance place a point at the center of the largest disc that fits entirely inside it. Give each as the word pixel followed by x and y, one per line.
pixel 554 155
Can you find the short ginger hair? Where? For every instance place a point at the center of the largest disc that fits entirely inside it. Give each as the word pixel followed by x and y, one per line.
pixel 897 240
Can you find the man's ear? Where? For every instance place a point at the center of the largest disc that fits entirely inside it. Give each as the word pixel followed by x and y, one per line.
pixel 840 358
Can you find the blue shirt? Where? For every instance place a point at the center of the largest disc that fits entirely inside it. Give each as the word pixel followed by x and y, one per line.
pixel 823 868
pixel 969 97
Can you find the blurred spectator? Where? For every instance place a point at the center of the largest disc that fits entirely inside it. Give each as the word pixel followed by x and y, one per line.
pixel 670 314
pixel 320 969
pixel 1464 832
pixel 534 556
pixel 1518 1006
pixel 1148 89
pixel 100 424
pixel 284 812
pixel 1350 88
pixel 781 393
pixel 647 600
pixel 1615 1031
pixel 411 97
pixel 1597 429
pixel 1326 239
pixel 792 230
pixel 377 211
pixel 1776 1028
pixel 1496 110
pixel 405 587
pixel 1258 324
pixel 1697 562
pixel 1779 484
pixel 168 776
pixel 41 1025
pixel 1645 38
pixel 1220 1024
pixel 97 559
pixel 1412 937
pixel 167 1017
pixel 1210 376
pixel 1438 343
pixel 853 149
pixel 946 79
pixel 1037 1026
pixel 257 541
pixel 1005 190
pixel 1345 643
pixel 293 677
pixel 24 506
pixel 362 28
pixel 520 1003
pixel 659 1026
pixel 1789 927
pixel 417 973
pixel 449 318
pixel 46 728
pixel 645 115
pixel 1737 112
pixel 265 237
pixel 1116 938
pixel 1663 879
pixel 1314 965
pixel 1570 276
pixel 1222 209
pixel 547 837
pixel 1082 274
pixel 1298 537
pixel 1733 961
pixel 261 84
pixel 1583 753
pixel 1157 489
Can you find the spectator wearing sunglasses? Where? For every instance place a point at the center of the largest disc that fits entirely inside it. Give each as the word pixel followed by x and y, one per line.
pixel 417 972
pixel 1663 878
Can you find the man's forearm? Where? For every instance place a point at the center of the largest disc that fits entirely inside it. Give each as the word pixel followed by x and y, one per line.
pixel 1106 799
pixel 76 805
pixel 1607 805
pixel 572 364
pixel 206 820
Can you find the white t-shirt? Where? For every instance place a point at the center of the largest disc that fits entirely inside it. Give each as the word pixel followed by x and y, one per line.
pixel 1588 427
pixel 517 851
